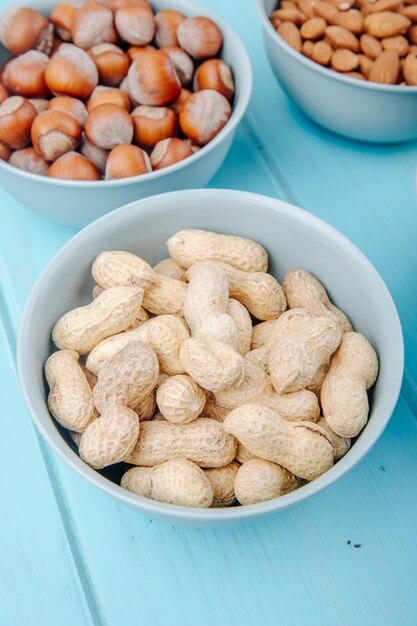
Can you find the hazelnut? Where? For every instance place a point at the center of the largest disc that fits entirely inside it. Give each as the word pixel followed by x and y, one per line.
pixel 152 79
pixel 5 152
pixel 167 22
pixel 108 95
pixel 200 37
pixel 93 25
pixel 179 102
pixel 73 166
pixel 16 117
pixel 125 161
pixel 71 72
pixel 135 51
pixel 152 124
pixel 112 63
pixel 62 16
pixel 114 5
pixel 203 116
pixel 40 104
pixel 54 133
pixel 183 64
pixel 73 106
pixel 21 29
pixel 25 75
pixel 135 24
pixel 3 93
pixel 168 152
pixel 109 125
pixel 29 160
pixel 93 153
pixel 215 74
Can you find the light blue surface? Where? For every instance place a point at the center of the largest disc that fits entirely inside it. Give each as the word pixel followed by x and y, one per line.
pixel 70 555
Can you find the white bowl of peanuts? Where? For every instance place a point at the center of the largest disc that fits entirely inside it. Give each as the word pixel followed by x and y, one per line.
pixel 105 103
pixel 350 65
pixel 210 395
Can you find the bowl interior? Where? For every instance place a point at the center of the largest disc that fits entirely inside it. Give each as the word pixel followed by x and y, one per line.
pixel 233 52
pixel 292 237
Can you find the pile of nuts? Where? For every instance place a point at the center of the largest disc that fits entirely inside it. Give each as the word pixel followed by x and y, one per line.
pixel 373 40
pixel 109 89
pixel 214 382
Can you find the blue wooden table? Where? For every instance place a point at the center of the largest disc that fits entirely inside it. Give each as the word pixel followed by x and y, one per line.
pixel 70 556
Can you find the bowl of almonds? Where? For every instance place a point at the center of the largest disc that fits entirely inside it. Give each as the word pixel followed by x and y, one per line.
pixel 207 366
pixel 102 103
pixel 350 65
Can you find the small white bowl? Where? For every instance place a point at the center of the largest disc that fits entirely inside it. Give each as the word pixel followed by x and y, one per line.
pixel 293 238
pixel 347 106
pixel 77 203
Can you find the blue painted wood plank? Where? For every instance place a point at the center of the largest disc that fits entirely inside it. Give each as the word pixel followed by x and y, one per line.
pixel 39 580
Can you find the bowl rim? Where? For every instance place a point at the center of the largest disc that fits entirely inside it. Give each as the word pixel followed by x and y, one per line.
pixel 240 105
pixel 242 513
pixel 324 71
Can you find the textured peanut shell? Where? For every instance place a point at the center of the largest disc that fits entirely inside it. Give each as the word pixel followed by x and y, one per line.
pixel 258 480
pixel 168 267
pixel 180 399
pixel 262 333
pixel 202 441
pixel 189 247
pixel 214 365
pixel 303 343
pixel 110 438
pixel 213 410
pixel 341 445
pixel 164 334
pixel 70 399
pixel 177 482
pixel 243 455
pixel 344 398
pixel 256 388
pixel 305 291
pixel 259 292
pixel 302 448
pixel 163 295
pixel 127 377
pixel 205 305
pixel 222 481
pixel 145 408
pixel 239 313
pixel 141 317
pixel 110 313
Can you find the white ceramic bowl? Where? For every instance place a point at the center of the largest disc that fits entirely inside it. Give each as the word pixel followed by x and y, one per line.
pixel 78 203
pixel 355 108
pixel 293 238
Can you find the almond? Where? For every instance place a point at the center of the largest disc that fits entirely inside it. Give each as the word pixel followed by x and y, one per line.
pixel 385 5
pixel 344 60
pixel 313 28
pixel 412 49
pixel 287 4
pixel 356 75
pixel 410 69
pixel 352 20
pixel 386 68
pixel 322 53
pixel 370 46
pixel 398 43
pixel 412 34
pixel 307 48
pixel 291 35
pixel 290 15
pixel 365 65
pixel 340 37
pixel 386 24
pixel 325 10
pixel 410 11
pixel 307 7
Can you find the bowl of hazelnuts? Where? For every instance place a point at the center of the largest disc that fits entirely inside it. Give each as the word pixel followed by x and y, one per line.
pixel 103 103
pixel 350 65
